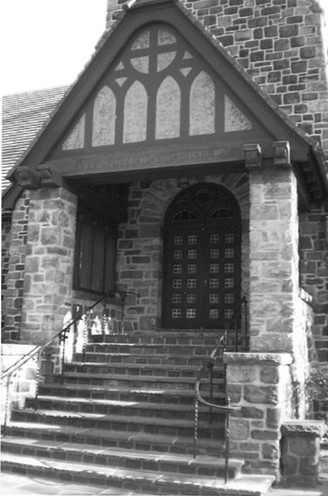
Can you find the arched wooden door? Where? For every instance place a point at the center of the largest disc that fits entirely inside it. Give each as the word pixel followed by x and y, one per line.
pixel 202 259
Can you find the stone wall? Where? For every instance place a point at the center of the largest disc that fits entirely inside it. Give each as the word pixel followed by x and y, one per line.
pixel 13 268
pixel 139 257
pixel 280 43
pixel 314 271
pixel 49 263
pixel 259 384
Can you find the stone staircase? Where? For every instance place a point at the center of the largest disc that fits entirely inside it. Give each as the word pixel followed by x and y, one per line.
pixel 122 416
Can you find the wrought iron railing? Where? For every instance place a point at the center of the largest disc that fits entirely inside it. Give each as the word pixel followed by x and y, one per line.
pixel 241 338
pixel 13 371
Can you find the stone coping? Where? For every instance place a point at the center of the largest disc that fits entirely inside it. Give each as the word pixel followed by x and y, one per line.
pixel 314 428
pixel 257 358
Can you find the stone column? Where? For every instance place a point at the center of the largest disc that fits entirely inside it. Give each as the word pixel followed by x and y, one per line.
pixel 49 263
pixel 274 280
pixel 259 385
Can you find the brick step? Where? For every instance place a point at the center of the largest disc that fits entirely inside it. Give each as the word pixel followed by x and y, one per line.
pixel 206 339
pixel 174 427
pixel 149 348
pixel 131 440
pixel 125 408
pixel 125 381
pixel 116 457
pixel 191 338
pixel 138 480
pixel 141 359
pixel 162 396
pixel 91 368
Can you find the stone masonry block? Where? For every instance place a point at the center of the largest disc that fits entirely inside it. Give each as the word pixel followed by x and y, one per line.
pixel 50 235
pixel 269 375
pixel 270 451
pixel 238 374
pixel 261 394
pixel 239 429
pixel 32 264
pixel 273 419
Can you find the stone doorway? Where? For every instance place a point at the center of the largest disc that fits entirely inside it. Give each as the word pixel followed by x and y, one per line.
pixel 202 259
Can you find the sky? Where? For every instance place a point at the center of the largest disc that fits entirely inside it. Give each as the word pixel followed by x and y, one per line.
pixel 46 43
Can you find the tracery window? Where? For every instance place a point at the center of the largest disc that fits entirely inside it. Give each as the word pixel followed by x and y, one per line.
pixel 158 89
pixel 149 92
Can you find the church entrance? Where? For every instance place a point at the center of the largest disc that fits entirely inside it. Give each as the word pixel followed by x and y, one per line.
pixel 202 259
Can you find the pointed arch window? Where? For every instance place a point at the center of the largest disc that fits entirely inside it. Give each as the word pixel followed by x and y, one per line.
pixel 168 105
pixel 135 114
pixel 104 116
pixel 202 105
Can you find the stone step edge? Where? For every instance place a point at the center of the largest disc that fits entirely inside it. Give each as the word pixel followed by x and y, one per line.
pixel 149 378
pixel 116 418
pixel 142 366
pixel 89 387
pixel 245 484
pixel 205 348
pixel 180 332
pixel 121 403
pixel 103 434
pixel 201 356
pixel 199 461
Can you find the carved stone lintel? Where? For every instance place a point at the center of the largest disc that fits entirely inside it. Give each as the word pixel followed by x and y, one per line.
pixel 49 177
pixel 253 156
pixel 27 177
pixel 281 153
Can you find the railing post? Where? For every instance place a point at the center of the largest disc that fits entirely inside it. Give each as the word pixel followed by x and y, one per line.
pixel 6 411
pixel 37 379
pixel 227 440
pixel 196 427
pixel 85 336
pixel 103 322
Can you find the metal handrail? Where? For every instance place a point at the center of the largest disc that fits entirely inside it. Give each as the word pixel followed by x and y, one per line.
pixel 39 348
pixel 36 353
pixel 227 409
pixel 221 345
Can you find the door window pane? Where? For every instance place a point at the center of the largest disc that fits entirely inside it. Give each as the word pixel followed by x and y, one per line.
pixel 192 254
pixel 214 313
pixel 214 283
pixel 191 298
pixel 214 299
pixel 214 238
pixel 192 240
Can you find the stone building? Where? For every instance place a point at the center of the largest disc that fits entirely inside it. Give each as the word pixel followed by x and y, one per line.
pixel 186 166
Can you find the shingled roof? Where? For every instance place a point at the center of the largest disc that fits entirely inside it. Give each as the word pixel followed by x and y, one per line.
pixel 23 116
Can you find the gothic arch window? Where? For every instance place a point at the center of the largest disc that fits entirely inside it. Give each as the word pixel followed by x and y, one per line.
pixel 135 113
pixel 202 105
pixel 104 117
pixel 168 104
pixel 157 89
